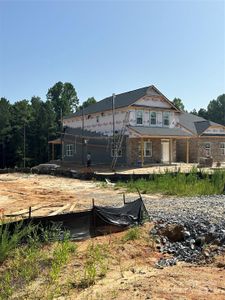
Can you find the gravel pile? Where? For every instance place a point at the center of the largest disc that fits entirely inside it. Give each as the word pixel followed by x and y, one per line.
pixel 191 229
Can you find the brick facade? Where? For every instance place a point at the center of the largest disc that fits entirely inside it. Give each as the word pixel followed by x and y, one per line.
pixel 197 149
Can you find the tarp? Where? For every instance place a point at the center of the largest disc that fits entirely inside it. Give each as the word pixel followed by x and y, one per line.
pixel 97 221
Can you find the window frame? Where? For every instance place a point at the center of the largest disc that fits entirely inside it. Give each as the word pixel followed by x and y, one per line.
pixel 70 150
pixel 150 117
pixel 119 154
pixel 222 149
pixel 145 148
pixel 142 115
pixel 163 118
pixel 207 149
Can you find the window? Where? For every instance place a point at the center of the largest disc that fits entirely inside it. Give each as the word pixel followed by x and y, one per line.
pixel 222 148
pixel 166 118
pixel 147 149
pixel 69 150
pixel 207 149
pixel 115 152
pixel 152 118
pixel 139 117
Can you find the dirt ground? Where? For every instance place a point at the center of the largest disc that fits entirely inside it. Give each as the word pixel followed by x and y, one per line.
pixel 19 191
pixel 136 277
pixel 132 273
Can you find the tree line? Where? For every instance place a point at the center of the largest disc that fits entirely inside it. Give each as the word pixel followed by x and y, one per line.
pixel 26 126
pixel 215 110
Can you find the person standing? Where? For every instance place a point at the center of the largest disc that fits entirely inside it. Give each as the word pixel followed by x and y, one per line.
pixel 89 160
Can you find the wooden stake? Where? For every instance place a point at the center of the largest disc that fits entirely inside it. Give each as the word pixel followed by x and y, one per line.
pixel 29 216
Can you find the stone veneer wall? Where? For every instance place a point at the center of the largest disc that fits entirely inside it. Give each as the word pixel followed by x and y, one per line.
pixel 196 149
pixel 132 151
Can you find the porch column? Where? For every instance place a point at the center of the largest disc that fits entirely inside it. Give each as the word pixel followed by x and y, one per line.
pixel 170 151
pixel 187 151
pixel 53 149
pixel 142 152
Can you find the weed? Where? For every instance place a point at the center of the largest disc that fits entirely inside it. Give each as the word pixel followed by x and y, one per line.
pixel 10 237
pixel 181 184
pixel 132 234
pixel 96 264
pixel 60 258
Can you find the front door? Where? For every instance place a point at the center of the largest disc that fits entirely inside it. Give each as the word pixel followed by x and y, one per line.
pixel 165 146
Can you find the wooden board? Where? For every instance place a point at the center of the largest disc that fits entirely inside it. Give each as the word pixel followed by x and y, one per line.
pixel 56 212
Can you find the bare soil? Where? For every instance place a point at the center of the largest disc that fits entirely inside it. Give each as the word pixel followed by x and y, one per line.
pixel 132 273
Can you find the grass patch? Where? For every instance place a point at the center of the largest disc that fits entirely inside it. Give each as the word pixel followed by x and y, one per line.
pixel 96 264
pixel 132 234
pixel 179 184
pixel 28 254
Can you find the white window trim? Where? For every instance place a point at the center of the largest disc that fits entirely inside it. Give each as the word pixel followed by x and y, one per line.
pixel 145 148
pixel 222 148
pixel 145 143
pixel 208 149
pixel 156 119
pixel 69 150
pixel 139 124
pixel 165 112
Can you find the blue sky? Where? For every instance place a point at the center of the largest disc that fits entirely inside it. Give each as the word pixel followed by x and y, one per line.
pixel 105 47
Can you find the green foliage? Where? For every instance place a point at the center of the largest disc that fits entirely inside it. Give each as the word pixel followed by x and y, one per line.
pixel 88 102
pixel 9 241
pixel 180 184
pixel 64 99
pixel 215 110
pixel 132 234
pixel 35 122
pixel 60 258
pixel 178 103
pixel 28 260
pixel 96 264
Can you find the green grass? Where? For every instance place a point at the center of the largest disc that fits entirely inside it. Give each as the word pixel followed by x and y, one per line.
pixel 179 184
pixel 9 241
pixel 96 264
pixel 132 234
pixel 28 253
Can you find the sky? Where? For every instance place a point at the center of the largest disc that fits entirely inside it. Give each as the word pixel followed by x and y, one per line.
pixel 105 47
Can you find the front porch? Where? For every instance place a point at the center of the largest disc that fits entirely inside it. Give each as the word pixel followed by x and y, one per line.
pixel 144 151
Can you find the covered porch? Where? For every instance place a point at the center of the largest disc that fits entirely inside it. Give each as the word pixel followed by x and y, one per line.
pixel 148 146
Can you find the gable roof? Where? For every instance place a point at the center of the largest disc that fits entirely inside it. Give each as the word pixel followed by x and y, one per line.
pixel 121 100
pixel 195 124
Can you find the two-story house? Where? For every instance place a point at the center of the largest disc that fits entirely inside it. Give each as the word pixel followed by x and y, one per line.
pixel 140 127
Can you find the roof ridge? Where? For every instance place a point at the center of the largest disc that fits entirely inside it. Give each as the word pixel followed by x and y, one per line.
pixel 125 93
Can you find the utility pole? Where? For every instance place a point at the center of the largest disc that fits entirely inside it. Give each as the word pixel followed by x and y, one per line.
pixel 82 135
pixel 24 146
pixel 61 120
pixel 113 117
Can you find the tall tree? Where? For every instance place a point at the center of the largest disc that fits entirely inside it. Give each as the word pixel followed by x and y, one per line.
pixel 64 99
pixel 216 110
pixel 178 103
pixel 87 103
pixel 42 128
pixel 21 115
pixel 5 130
pixel 203 113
